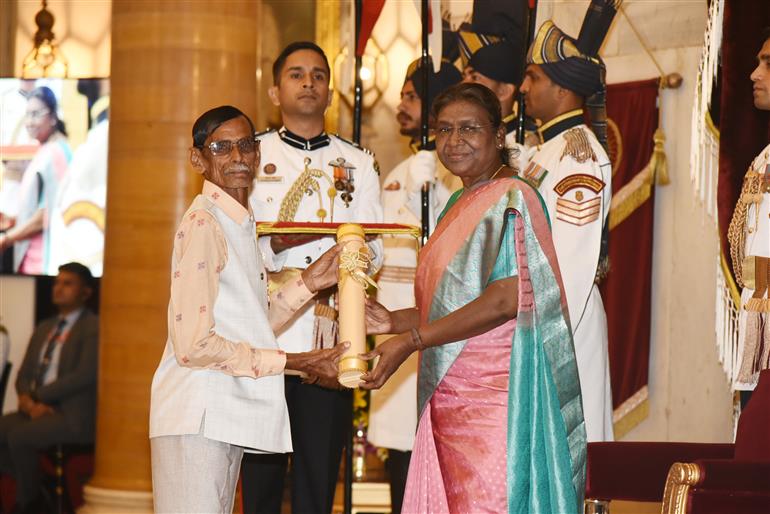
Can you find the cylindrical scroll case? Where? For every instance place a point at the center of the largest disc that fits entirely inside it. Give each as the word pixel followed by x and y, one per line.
pixel 351 304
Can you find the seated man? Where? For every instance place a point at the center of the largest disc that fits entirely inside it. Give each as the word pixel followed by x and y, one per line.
pixel 56 385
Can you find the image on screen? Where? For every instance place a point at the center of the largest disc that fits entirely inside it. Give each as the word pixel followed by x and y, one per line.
pixel 53 173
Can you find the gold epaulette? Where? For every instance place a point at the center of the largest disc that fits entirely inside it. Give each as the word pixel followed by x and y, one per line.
pixel 578 146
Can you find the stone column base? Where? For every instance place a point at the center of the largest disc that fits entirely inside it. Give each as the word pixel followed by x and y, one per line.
pixel 114 501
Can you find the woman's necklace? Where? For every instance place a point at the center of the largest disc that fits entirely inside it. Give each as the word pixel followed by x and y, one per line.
pixel 498 171
pixel 480 182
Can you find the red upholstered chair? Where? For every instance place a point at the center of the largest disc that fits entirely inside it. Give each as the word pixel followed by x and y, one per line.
pixel 689 477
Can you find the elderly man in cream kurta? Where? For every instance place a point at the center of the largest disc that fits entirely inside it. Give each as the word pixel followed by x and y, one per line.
pixel 218 389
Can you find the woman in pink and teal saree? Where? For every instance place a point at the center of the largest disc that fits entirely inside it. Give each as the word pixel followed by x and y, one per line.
pixel 501 421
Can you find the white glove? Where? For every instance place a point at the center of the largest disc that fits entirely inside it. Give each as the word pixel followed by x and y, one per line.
pixel 422 169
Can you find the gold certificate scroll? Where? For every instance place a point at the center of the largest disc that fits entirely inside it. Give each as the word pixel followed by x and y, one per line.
pixel 351 303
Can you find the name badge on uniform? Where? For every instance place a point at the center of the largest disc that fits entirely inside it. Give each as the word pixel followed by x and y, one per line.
pixel 269 174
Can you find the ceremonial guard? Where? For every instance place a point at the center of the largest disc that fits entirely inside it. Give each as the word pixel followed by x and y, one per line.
pixel 749 236
pixel 572 171
pixel 393 411
pixel 492 54
pixel 307 175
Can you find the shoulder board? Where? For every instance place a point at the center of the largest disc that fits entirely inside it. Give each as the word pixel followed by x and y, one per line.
pixel 578 146
pixel 365 150
pixel 264 132
pixel 354 145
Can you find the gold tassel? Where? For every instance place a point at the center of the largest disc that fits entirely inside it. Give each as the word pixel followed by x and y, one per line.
pixel 659 159
pixel 758 305
pixel 764 362
pixel 324 326
pixel 751 346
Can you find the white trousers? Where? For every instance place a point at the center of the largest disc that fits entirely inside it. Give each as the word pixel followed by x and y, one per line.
pixel 193 474
pixel 593 362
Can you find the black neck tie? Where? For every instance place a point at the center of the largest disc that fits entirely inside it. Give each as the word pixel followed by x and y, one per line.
pixel 45 362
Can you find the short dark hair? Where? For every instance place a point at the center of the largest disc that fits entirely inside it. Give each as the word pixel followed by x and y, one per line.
pixel 765 34
pixel 210 120
pixel 290 49
pixel 81 271
pixel 47 96
pixel 472 93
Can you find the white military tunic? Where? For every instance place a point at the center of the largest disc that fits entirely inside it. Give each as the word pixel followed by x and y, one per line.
pixel 757 233
pixel 282 162
pixel 573 174
pixel 393 411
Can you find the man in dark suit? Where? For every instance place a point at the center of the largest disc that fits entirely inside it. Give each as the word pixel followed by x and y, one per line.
pixel 56 385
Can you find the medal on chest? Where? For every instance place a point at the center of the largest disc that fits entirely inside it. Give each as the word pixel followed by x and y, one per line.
pixel 343 180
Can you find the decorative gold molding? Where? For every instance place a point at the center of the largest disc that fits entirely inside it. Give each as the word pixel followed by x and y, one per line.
pixel 681 477
pixel 630 413
pixel 8 25
pixel 327 36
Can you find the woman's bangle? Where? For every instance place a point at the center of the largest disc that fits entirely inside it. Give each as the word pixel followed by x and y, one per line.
pixel 416 339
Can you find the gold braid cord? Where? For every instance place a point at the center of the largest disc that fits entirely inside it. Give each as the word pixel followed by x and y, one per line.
pixel 736 233
pixel 306 181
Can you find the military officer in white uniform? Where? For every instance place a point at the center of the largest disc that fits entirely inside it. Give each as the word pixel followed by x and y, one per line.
pixel 393 411
pixel 572 171
pixel 749 237
pixel 307 175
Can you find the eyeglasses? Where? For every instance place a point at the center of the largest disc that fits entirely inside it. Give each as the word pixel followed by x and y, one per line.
pixel 225 146
pixel 463 131
pixel 37 114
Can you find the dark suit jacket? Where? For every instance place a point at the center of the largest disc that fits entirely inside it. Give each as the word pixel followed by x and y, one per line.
pixel 73 393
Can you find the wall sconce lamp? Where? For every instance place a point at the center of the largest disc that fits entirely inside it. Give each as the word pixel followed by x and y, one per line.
pixel 374 74
pixel 45 59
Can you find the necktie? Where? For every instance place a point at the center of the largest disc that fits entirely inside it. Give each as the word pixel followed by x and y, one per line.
pixel 45 362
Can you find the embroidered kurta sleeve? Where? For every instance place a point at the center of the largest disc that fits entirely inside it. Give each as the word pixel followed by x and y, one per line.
pixel 286 301
pixel 273 261
pixel 200 253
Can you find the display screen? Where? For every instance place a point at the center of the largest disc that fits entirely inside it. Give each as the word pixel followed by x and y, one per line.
pixel 53 173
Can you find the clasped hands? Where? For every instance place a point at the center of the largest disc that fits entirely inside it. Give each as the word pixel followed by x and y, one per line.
pixel 321 365
pixel 393 352
pixel 32 408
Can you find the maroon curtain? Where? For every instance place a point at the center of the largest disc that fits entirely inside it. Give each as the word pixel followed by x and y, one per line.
pixel 744 130
pixel 632 108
